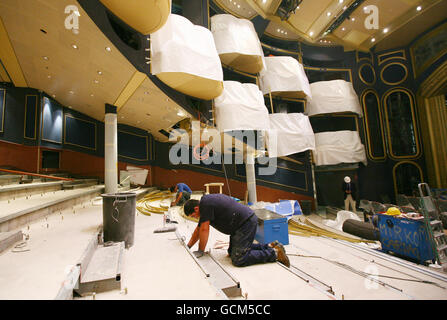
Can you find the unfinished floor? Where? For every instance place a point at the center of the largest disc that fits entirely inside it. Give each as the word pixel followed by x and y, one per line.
pixel 158 267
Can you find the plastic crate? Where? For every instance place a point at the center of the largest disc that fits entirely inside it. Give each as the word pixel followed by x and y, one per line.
pixel 271 227
pixel 405 237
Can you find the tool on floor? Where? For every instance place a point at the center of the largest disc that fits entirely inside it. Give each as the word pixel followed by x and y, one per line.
pixel 434 226
pixel 165 228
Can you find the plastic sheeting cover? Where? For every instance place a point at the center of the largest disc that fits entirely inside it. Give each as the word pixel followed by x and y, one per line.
pixel 284 74
pixel 232 34
pixel 180 46
pixel 342 216
pixel 241 107
pixel 337 147
pixel 289 133
pixel 333 96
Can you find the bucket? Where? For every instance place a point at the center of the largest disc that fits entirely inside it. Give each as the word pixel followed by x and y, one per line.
pixel 118 214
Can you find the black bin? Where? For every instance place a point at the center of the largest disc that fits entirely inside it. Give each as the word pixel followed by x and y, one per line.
pixel 306 207
pixel 118 215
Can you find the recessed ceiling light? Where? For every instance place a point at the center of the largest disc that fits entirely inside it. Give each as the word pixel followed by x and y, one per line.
pixel 353 19
pixel 69 107
pixel 54 96
pixel 96 81
pixel 108 49
pixel 100 72
pixel 340 1
pixel 45 58
pixel 343 29
pixel 419 8
pixel 49 77
pixel 345 7
pixel 373 39
pixel 264 1
pixel 74 46
pixel 328 14
pixel 311 33
pixel 385 30
pixel 70 92
pixel 91 95
pixel 180 113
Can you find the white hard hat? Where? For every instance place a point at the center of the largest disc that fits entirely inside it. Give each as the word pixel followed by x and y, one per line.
pixel 347 179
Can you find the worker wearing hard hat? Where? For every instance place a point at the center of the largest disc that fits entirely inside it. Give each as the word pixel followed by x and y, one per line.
pixel 349 190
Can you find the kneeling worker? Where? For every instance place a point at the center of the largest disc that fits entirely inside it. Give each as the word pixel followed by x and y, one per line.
pixel 236 220
pixel 183 193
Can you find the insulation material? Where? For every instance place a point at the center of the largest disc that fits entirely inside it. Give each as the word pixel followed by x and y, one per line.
pixel 289 133
pixel 337 147
pixel 342 216
pixel 185 58
pixel 284 76
pixel 333 96
pixel 237 43
pixel 241 107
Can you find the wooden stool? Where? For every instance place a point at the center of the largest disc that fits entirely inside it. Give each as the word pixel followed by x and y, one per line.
pixel 213 184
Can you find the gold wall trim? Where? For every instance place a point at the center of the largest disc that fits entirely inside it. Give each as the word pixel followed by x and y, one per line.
pixel 366 125
pixel 137 135
pixel 3 107
pixel 349 71
pixel 394 173
pixel 358 59
pixel 361 77
pixel 35 116
pixel 432 86
pixel 418 71
pixel 381 61
pixel 65 131
pixel 297 53
pixel 398 82
pixel 414 120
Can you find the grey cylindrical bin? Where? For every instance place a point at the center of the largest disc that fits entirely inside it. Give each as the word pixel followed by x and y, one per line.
pixel 118 215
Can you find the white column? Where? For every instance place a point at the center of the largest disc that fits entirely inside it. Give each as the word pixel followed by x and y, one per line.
pixel 111 150
pixel 251 178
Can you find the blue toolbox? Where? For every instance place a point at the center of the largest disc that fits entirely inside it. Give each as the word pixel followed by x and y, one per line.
pixel 405 237
pixel 271 227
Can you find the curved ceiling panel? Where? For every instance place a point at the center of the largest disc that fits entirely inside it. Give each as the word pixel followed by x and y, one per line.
pixel 145 16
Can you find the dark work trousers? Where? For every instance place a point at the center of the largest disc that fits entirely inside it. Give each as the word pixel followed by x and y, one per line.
pixel 243 251
pixel 185 197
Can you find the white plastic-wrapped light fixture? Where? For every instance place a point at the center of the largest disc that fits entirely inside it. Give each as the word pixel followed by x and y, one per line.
pixel 284 77
pixel 237 43
pixel 184 57
pixel 241 107
pixel 337 147
pixel 333 97
pixel 289 133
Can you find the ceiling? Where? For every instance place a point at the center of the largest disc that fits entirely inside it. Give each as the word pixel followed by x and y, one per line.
pixel 77 70
pixel 312 19
pixel 37 51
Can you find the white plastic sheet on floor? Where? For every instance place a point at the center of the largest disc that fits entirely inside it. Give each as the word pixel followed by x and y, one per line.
pixel 180 46
pixel 284 74
pixel 237 36
pixel 333 96
pixel 241 107
pixel 342 216
pixel 337 147
pixel 289 133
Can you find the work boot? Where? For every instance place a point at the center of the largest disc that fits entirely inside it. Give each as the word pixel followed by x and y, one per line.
pixel 276 243
pixel 281 255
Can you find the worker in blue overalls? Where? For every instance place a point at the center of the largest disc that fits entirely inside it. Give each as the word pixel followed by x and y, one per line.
pixel 236 220
pixel 183 194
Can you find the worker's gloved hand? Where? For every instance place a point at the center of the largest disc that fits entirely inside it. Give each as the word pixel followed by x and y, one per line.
pixel 198 253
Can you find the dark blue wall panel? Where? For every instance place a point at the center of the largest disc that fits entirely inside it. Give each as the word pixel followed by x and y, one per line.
pixel 52 122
